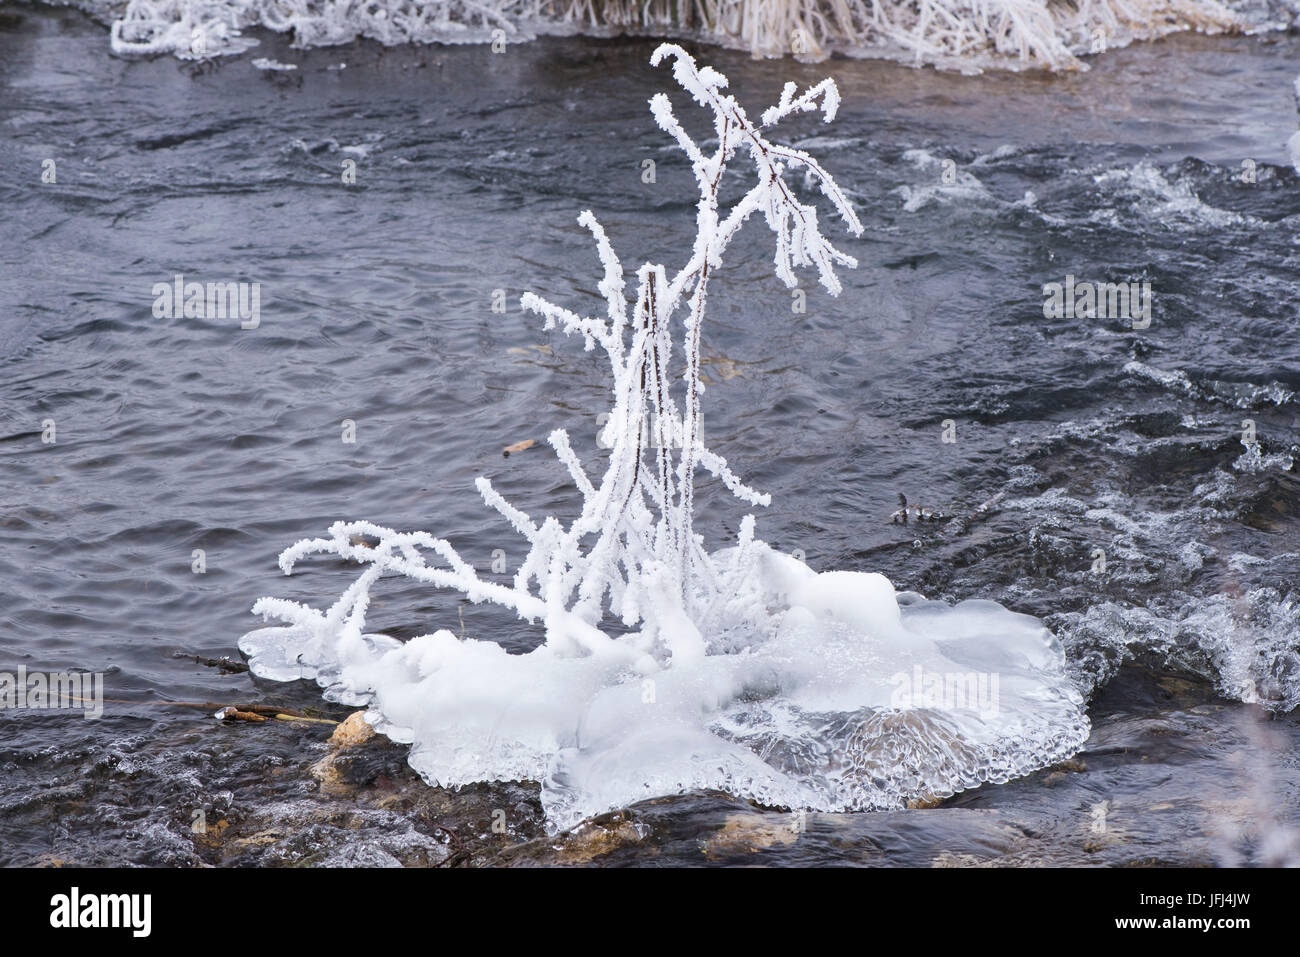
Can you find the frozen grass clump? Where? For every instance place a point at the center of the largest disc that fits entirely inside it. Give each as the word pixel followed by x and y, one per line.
pixel 667 666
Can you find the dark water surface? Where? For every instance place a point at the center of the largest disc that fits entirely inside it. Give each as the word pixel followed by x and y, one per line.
pixel 376 306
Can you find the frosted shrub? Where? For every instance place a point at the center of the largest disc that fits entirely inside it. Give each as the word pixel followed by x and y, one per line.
pixel 647 565
pixel 739 669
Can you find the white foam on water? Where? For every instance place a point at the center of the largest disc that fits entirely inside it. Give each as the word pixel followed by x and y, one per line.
pixel 275 66
pixel 1241 395
pixel 964 188
pixel 1148 192
pixel 1245 645
pixel 1242 562
pixel 1005 151
pixel 1254 460
pixel 1246 642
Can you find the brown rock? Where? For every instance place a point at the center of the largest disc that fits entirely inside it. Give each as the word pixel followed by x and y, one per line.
pixel 352 731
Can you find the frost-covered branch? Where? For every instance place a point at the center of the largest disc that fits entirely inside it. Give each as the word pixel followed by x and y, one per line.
pixel 631 552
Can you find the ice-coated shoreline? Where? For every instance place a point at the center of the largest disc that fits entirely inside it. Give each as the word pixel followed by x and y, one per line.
pixel 963 35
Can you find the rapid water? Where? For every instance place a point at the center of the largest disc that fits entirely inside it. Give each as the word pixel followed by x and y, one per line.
pixel 1074 435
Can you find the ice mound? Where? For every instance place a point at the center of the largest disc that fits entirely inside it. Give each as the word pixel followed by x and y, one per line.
pixel 838 696
pixel 667 667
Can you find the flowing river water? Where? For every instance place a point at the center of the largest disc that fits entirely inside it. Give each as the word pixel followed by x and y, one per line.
pixel 1097 479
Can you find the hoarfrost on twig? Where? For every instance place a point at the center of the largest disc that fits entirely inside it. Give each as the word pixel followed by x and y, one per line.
pixel 645 565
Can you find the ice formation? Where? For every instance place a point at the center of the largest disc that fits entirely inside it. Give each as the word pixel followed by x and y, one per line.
pixel 668 667
pixel 961 33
